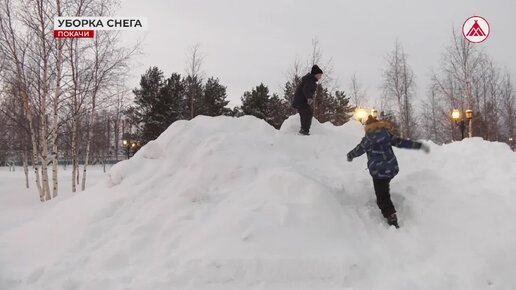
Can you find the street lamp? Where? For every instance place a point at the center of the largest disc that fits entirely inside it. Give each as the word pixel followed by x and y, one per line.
pixel 127 144
pixel 459 121
pixel 469 114
pixel 455 115
pixel 374 113
pixel 361 115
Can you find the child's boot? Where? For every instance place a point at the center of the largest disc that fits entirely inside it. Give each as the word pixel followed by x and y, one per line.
pixel 392 220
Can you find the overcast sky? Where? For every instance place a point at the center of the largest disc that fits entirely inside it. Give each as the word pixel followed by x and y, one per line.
pixel 248 42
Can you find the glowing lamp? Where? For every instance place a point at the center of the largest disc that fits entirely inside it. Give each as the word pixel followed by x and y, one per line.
pixel 469 114
pixel 455 115
pixel 361 114
pixel 374 113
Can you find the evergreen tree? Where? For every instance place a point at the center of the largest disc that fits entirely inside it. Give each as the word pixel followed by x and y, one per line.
pixel 192 97
pixel 158 103
pixel 324 108
pixel 332 107
pixel 213 101
pixel 172 103
pixel 146 99
pixel 277 111
pixel 343 110
pixel 236 112
pixel 288 96
pixel 256 102
pixel 260 104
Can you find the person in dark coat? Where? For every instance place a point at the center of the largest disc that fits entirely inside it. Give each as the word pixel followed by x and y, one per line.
pixel 381 161
pixel 304 97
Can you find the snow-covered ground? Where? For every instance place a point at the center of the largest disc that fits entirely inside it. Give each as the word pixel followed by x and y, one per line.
pixel 19 204
pixel 223 203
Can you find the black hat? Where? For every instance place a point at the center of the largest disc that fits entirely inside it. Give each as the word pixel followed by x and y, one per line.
pixel 316 70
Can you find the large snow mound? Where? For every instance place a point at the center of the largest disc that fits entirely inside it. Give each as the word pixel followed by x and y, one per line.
pixel 226 203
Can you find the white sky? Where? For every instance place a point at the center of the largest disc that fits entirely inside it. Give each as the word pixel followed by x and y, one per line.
pixel 245 43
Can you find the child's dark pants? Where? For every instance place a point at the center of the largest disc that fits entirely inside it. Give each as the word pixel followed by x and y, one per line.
pixel 306 114
pixel 383 196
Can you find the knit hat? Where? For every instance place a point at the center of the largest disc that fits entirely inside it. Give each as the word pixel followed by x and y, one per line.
pixel 316 70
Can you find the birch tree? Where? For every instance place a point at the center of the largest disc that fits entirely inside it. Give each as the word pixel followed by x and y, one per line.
pixel 109 66
pixel 194 79
pixel 60 83
pixel 460 61
pixel 508 106
pixel 59 47
pixel 399 88
pixel 15 46
pixel 357 94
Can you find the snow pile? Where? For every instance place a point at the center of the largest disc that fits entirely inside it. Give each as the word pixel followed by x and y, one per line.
pixel 223 203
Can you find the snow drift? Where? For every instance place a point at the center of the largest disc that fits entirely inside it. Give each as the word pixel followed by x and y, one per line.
pixel 224 203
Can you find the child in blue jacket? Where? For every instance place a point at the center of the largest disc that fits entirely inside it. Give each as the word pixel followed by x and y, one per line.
pixel 381 161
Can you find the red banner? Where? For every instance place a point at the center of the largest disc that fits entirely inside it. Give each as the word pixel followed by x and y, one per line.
pixel 74 33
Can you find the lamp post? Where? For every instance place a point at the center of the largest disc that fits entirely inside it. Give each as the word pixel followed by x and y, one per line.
pixel 456 116
pixel 130 145
pixel 469 116
pixel 361 115
pixel 127 147
pixel 459 121
pixel 374 113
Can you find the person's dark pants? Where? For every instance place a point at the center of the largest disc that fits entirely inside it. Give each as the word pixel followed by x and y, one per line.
pixel 383 196
pixel 306 114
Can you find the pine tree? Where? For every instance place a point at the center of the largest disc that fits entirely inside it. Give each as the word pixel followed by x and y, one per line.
pixel 158 103
pixel 288 96
pixel 332 107
pixel 236 112
pixel 193 96
pixel 343 110
pixel 260 104
pixel 324 109
pixel 277 111
pixel 171 105
pixel 256 102
pixel 213 101
pixel 146 99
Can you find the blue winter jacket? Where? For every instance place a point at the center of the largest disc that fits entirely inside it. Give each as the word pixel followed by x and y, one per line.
pixel 377 143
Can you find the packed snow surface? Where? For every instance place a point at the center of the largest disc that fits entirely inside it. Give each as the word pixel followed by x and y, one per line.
pixel 227 203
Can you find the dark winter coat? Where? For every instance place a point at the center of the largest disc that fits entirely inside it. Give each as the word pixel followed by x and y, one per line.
pixel 304 91
pixel 377 143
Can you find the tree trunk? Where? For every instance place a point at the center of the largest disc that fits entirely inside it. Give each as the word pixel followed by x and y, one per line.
pixel 44 154
pixel 56 110
pixel 35 160
pixel 88 143
pixel 43 102
pixel 74 156
pixel 33 136
pixel 55 129
pixel 26 167
pixel 117 136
